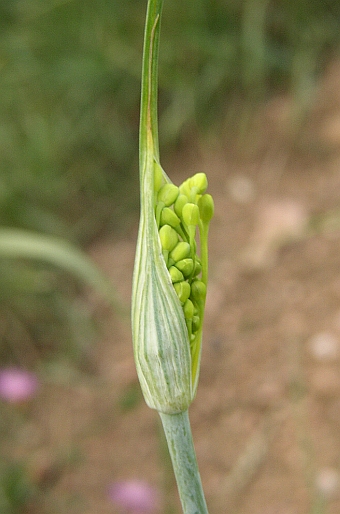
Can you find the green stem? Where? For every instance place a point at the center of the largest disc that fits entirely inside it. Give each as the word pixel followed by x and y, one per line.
pixel 148 127
pixel 179 438
pixel 204 229
pixel 176 426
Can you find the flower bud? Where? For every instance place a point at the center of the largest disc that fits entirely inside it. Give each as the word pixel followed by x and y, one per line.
pixel 190 214
pixel 175 274
pixel 206 208
pixel 167 301
pixel 198 290
pixel 199 182
pixel 185 188
pixel 168 194
pixel 158 176
pixel 183 291
pixel 168 217
pixel 168 237
pixel 179 204
pixel 196 322
pixel 181 251
pixel 198 268
pixel 186 266
pixel 188 309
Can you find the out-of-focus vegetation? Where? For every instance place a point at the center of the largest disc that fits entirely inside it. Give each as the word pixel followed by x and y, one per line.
pixel 69 108
pixel 69 92
pixel 69 112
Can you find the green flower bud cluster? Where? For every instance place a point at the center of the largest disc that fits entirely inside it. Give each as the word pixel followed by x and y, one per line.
pixel 180 212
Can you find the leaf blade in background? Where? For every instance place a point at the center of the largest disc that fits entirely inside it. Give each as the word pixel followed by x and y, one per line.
pixel 22 244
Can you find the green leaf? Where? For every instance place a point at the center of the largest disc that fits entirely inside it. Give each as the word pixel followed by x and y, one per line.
pixel 22 244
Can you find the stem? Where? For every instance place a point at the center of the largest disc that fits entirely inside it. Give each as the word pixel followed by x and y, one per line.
pixel 176 426
pixel 179 438
pixel 148 127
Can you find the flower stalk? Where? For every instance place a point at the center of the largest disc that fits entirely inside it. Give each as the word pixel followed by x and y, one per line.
pixel 169 283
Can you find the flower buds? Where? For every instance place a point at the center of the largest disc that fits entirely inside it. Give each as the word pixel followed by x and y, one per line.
pixel 206 208
pixel 168 237
pixel 169 288
pixel 190 209
pixel 191 214
pixel 168 194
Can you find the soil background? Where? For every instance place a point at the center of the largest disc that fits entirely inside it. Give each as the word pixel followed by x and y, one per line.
pixel 266 419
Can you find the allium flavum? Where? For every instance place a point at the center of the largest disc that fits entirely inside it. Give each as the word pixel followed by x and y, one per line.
pixel 170 283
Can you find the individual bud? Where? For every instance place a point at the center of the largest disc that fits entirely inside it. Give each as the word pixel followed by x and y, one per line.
pixel 168 237
pixel 170 262
pixel 186 266
pixel 196 323
pixel 158 176
pixel 183 291
pixel 198 290
pixel 189 310
pixel 206 208
pixel 175 274
pixel 181 251
pixel 168 217
pixel 199 182
pixel 190 214
pixel 198 268
pixel 179 204
pixel 168 194
pixel 185 188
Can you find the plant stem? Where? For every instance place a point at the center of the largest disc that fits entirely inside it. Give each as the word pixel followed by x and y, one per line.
pixel 176 426
pixel 179 438
pixel 148 126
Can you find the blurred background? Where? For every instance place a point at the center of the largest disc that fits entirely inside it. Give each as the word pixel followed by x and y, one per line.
pixel 249 92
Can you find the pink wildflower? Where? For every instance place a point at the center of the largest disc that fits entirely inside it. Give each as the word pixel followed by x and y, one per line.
pixel 134 496
pixel 17 385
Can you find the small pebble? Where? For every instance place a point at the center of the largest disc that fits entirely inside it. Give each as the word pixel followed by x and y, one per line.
pixel 328 482
pixel 241 188
pixel 324 346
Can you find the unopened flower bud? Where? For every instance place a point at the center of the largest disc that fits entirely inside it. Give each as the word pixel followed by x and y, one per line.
pixel 175 274
pixel 168 194
pixel 196 322
pixel 198 290
pixel 168 217
pixel 168 237
pixel 198 268
pixel 206 208
pixel 188 309
pixel 183 291
pixel 181 251
pixel 199 182
pixel 190 214
pixel 186 266
pixel 179 204
pixel 158 176
pixel 185 188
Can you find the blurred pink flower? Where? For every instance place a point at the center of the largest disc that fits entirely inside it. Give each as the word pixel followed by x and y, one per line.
pixel 134 496
pixel 17 385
